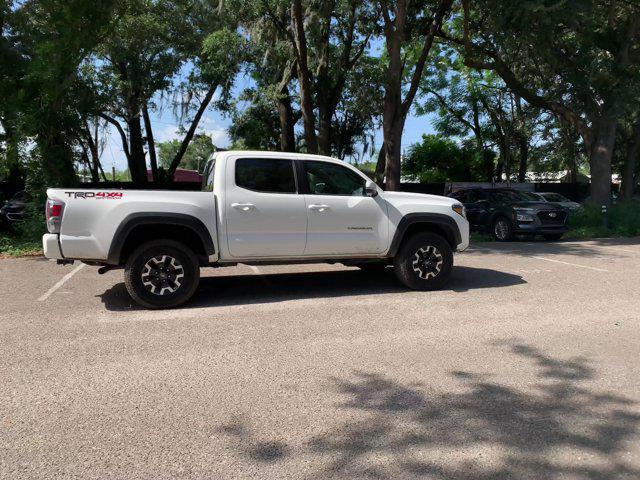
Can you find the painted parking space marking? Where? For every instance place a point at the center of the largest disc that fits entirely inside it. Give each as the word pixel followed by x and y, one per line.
pixel 569 263
pixel 60 283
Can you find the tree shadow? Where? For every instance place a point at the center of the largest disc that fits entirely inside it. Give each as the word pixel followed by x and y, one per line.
pixel 531 427
pixel 269 288
pixel 527 246
pixel 255 450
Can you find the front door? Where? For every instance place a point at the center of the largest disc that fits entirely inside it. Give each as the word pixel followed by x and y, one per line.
pixel 342 220
pixel 265 215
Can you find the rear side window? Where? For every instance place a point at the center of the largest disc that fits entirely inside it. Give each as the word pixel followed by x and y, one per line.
pixel 330 179
pixel 269 175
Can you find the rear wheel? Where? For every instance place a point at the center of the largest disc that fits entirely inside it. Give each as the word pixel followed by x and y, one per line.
pixel 424 262
pixel 553 236
pixel 502 230
pixel 162 274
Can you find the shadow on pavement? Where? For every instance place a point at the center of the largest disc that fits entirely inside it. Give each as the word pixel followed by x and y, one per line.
pixel 226 290
pixel 528 246
pixel 554 428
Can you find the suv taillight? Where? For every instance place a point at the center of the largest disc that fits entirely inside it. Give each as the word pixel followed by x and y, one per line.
pixel 53 213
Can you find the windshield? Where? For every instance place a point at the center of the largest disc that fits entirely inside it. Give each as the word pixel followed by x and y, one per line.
pixel 554 197
pixel 512 196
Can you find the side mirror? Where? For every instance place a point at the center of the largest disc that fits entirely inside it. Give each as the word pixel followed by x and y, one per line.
pixel 370 189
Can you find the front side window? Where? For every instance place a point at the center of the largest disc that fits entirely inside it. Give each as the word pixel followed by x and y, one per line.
pixel 330 179
pixel 269 175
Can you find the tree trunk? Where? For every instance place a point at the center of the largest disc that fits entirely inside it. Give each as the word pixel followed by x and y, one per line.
pixel 150 143
pixel 137 161
pixel 631 163
pixel 324 130
pixel 304 77
pixel 392 149
pixel 487 157
pixel 524 157
pixel 287 122
pixel 380 166
pixel 601 146
pixel 192 130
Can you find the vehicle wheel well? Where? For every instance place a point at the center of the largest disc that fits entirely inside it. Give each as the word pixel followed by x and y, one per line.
pixel 497 217
pixel 430 227
pixel 155 231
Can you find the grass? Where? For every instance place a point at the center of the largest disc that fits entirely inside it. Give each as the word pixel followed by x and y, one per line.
pixel 11 245
pixel 23 239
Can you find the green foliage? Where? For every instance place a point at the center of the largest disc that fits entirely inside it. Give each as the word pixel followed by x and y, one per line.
pixel 588 222
pixel 24 238
pixel 198 152
pixel 440 159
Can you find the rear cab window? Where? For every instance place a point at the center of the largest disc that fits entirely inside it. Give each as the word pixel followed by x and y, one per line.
pixel 266 175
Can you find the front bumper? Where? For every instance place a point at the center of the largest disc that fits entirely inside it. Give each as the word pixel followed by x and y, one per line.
pixel 533 229
pixel 51 246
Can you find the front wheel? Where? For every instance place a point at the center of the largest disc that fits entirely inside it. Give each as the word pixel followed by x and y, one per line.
pixel 424 262
pixel 162 274
pixel 502 230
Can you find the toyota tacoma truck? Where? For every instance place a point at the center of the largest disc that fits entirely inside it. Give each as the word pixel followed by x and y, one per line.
pixel 255 208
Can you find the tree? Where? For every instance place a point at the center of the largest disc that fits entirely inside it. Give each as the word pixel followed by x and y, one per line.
pixel 42 47
pixel 439 159
pixel 409 31
pixel 154 41
pixel 579 60
pixel 327 41
pixel 196 155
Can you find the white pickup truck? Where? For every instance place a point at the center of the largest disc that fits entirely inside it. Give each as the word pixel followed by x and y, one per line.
pixel 255 208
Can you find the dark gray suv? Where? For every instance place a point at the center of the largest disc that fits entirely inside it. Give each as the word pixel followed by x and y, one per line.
pixel 505 212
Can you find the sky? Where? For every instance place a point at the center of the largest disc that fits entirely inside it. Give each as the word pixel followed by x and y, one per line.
pixel 213 123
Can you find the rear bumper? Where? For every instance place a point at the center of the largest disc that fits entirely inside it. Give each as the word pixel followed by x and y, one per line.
pixel 51 246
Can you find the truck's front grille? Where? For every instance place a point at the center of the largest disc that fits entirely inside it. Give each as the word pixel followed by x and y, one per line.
pixel 552 217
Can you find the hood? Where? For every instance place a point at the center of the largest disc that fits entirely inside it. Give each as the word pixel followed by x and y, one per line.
pixel 537 205
pixel 418 197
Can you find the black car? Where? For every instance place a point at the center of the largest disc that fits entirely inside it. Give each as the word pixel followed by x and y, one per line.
pixel 506 212
pixel 13 210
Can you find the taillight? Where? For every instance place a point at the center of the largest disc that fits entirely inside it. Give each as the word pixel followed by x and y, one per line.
pixel 53 212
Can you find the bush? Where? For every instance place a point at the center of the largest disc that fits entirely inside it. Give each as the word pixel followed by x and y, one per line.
pixel 624 221
pixel 24 238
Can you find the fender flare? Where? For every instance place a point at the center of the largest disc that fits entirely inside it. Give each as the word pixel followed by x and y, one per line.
pixel 440 219
pixel 134 220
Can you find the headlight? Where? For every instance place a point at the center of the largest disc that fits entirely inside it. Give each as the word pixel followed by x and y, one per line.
pixel 459 209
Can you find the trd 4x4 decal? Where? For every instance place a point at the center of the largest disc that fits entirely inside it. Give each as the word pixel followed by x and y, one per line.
pixel 97 195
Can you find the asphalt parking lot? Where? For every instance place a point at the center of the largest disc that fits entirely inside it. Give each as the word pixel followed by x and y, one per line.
pixel 526 366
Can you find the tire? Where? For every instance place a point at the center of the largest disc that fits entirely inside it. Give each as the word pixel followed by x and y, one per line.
pixel 502 229
pixel 162 274
pixel 553 236
pixel 436 256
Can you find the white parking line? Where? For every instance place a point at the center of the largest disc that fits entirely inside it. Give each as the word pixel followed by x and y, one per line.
pixel 62 281
pixel 572 264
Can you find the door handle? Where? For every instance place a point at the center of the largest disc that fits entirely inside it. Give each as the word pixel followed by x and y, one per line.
pixel 245 207
pixel 319 208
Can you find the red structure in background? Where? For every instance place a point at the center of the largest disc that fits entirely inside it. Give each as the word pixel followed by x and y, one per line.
pixel 182 175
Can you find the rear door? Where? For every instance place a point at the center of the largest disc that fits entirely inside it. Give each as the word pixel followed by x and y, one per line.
pixel 265 214
pixel 342 220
